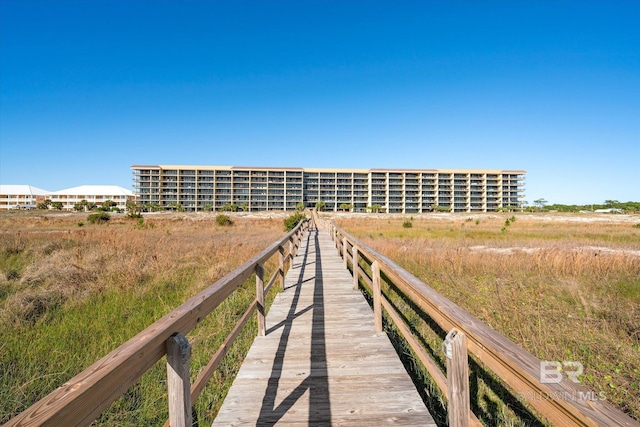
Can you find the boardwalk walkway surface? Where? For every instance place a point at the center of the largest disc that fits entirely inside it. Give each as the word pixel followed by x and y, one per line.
pixel 321 362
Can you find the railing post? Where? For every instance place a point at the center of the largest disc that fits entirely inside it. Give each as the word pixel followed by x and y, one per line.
pixel 260 299
pixel 291 249
pixel 455 347
pixel 344 251
pixel 178 383
pixel 377 295
pixel 281 264
pixel 354 250
pixel 296 243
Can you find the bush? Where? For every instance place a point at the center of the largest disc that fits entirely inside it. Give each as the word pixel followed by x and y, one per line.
pixel 407 224
pixel 223 220
pixel 98 217
pixel 291 222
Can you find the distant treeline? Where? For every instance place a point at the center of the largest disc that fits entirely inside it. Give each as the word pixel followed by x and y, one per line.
pixel 623 207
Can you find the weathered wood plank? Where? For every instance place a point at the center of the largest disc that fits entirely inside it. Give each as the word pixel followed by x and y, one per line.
pixel 321 361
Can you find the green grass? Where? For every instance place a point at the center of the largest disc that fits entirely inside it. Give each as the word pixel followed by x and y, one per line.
pixel 79 295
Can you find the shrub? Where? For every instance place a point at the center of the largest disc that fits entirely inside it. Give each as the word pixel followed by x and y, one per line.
pixel 98 217
pixel 407 224
pixel 291 222
pixel 223 220
pixel 80 223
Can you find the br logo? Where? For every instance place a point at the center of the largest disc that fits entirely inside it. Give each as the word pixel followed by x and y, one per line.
pixel 551 371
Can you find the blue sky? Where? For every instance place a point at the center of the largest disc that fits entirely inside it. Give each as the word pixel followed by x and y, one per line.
pixel 89 88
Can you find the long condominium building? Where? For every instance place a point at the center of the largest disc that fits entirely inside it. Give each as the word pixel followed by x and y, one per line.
pixel 197 188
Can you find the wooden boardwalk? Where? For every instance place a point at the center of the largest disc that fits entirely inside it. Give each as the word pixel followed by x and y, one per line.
pixel 321 362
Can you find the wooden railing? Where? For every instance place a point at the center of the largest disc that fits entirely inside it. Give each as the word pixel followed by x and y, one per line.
pixel 563 403
pixel 84 397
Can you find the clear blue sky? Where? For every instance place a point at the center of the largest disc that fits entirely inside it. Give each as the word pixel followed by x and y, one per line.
pixel 89 88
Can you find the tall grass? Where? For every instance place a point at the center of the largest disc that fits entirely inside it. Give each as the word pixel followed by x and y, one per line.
pixel 562 290
pixel 69 295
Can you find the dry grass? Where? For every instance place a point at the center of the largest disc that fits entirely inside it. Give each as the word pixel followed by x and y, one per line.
pixel 562 289
pixel 69 294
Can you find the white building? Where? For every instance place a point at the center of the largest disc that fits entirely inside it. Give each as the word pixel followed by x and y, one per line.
pixel 20 196
pixel 97 194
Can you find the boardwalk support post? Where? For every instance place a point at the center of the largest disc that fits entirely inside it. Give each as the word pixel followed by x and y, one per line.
pixel 377 303
pixel 455 348
pixel 178 383
pixel 354 250
pixel 281 265
pixel 291 249
pixel 260 299
pixel 345 252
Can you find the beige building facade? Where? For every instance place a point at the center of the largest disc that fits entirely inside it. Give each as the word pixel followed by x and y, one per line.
pixel 197 188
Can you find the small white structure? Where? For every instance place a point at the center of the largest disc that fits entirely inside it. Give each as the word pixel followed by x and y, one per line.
pixel 608 210
pixel 20 196
pixel 97 194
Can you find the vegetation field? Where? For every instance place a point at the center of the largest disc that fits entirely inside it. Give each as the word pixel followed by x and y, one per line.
pixel 71 292
pixel 562 286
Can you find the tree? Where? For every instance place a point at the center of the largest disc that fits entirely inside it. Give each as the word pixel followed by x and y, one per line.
pixel 176 207
pixel 45 204
pixel 611 203
pixel 291 222
pixel 300 206
pixel 108 204
pixel 345 206
pixel 57 205
pixel 229 207
pixel 134 210
pixel 320 205
pixel 540 203
pixel 208 208
pixel 81 206
pixel 374 208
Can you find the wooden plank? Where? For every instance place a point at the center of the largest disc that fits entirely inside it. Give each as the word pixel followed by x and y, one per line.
pixel 377 296
pixel 321 361
pixel 455 346
pixel 207 372
pixel 355 267
pixel 260 299
pixel 179 395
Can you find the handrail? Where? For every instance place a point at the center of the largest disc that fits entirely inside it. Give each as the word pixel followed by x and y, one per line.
pixel 563 403
pixel 84 397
